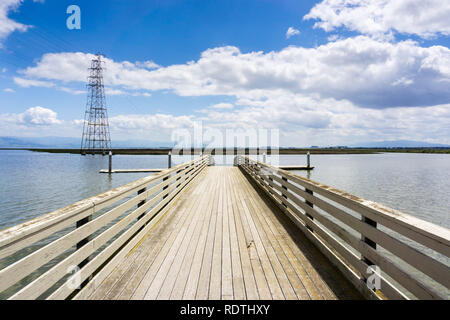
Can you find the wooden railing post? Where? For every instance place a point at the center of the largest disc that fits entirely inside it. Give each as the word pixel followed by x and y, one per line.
pixel 285 188
pixel 369 242
pixel 140 204
pixel 310 205
pixel 164 188
pixel 80 244
pixel 271 180
pixel 178 171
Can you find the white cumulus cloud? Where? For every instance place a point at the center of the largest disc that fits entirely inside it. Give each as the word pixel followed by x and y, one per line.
pixel 35 116
pixel 291 32
pixel 8 25
pixel 39 116
pixel 360 69
pixel 222 105
pixel 379 18
pixel 26 83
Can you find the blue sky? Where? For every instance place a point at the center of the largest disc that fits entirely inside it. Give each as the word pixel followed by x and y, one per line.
pixel 334 79
pixel 166 32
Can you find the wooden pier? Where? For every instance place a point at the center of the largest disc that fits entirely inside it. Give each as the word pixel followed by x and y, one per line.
pixel 131 170
pixel 294 167
pixel 251 231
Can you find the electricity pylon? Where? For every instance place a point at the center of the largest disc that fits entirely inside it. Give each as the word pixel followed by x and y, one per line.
pixel 96 137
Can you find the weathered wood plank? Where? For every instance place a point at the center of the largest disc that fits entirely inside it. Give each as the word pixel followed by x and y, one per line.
pixel 294 270
pixel 149 247
pixel 202 291
pixel 275 257
pixel 303 272
pixel 155 247
pixel 172 273
pixel 113 285
pixel 251 289
pixel 215 286
pixel 258 272
pixel 161 263
pixel 227 278
pixel 330 254
pixel 87 270
pixel 300 253
pixel 236 266
pixel 193 277
pixel 274 286
pixel 98 279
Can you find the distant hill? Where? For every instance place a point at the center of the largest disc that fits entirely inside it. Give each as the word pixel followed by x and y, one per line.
pixel 11 142
pixel 400 144
pixel 74 143
pixel 67 142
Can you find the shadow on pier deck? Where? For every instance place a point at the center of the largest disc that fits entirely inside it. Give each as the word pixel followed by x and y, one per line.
pixel 224 240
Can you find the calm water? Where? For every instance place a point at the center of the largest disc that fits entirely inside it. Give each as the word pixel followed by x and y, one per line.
pixel 36 183
pixel 418 184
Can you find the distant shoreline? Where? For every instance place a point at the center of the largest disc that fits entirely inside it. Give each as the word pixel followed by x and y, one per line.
pixel 285 151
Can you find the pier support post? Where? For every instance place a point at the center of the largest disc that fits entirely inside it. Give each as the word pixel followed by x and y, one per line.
pixel 110 162
pixel 169 165
pixel 308 160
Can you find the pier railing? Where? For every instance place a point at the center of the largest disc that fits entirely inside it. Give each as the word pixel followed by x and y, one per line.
pixel 385 253
pixel 77 246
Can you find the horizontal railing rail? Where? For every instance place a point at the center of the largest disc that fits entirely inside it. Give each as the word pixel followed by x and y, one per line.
pixel 79 240
pixel 362 238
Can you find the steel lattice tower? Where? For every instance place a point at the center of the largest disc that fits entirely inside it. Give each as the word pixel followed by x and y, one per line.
pixel 96 137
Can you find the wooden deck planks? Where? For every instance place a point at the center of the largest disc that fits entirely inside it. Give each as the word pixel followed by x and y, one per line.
pixel 236 261
pixel 215 290
pixel 221 240
pixel 135 289
pixel 254 278
pixel 193 273
pixel 227 273
pixel 306 289
pixel 288 279
pixel 155 276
